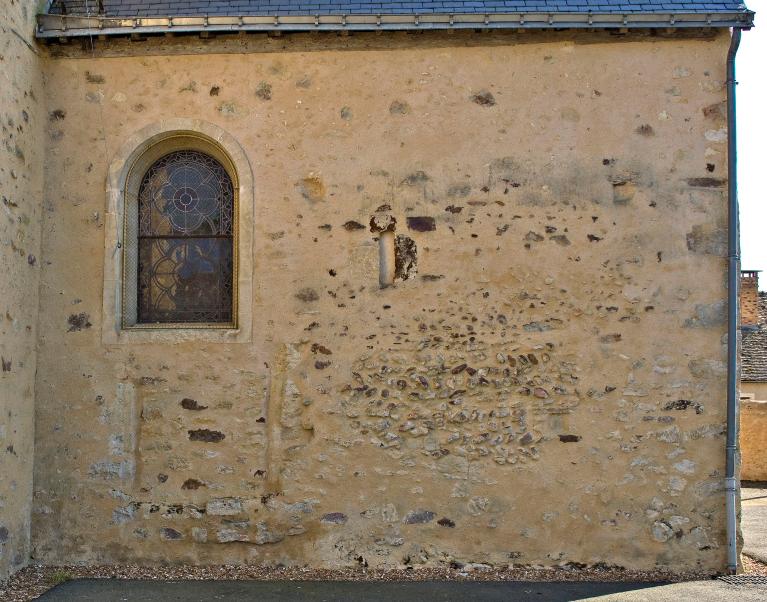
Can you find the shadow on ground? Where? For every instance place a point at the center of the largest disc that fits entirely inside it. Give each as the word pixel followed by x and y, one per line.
pixel 107 590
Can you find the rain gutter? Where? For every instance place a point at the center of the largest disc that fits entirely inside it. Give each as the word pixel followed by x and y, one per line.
pixel 733 284
pixel 68 26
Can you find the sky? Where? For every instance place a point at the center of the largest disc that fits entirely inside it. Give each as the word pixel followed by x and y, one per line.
pixel 751 103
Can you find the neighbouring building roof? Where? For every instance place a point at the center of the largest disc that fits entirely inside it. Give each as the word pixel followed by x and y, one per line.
pixel 64 18
pixel 754 347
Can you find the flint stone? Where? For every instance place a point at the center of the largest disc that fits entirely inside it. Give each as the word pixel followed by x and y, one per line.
pixel 336 518
pixel 230 535
pixel 661 531
pixel 266 535
pixel 224 506
pixel 416 517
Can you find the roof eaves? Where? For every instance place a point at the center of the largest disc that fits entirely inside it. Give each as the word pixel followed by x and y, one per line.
pixel 65 26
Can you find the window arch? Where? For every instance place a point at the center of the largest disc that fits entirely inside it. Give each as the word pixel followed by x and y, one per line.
pixel 185 241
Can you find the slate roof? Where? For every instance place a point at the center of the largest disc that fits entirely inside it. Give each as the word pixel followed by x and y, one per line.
pixel 150 8
pixel 754 347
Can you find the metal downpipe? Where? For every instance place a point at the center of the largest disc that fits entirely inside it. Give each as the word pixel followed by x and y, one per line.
pixel 733 283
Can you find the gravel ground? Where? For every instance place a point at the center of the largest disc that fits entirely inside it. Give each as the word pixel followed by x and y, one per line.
pixel 32 581
pixel 753 567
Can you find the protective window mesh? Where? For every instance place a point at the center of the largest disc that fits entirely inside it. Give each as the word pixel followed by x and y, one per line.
pixel 185 241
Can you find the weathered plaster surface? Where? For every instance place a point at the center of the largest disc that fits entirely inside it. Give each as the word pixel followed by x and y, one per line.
pixel 544 383
pixel 21 125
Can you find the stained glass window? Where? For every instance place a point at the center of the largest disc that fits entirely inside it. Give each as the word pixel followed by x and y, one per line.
pixel 185 241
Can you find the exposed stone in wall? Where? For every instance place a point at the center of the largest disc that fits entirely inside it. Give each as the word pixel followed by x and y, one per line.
pixel 446 403
pixel 22 122
pixel 546 390
pixel 405 258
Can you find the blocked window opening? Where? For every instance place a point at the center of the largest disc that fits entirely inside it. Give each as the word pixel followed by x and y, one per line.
pixel 397 255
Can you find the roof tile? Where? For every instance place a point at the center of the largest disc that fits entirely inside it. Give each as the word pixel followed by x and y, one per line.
pixel 143 8
pixel 754 347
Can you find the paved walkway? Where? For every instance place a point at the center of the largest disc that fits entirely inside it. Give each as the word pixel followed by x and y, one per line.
pixel 754 521
pixel 112 590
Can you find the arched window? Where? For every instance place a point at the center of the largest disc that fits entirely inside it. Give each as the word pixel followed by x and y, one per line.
pixel 185 241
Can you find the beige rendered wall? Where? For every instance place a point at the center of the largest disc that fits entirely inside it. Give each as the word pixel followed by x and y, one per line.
pixel 22 121
pixel 753 432
pixel 549 388
pixel 753 440
pixel 757 391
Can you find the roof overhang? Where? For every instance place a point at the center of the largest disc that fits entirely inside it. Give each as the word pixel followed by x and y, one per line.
pixel 66 26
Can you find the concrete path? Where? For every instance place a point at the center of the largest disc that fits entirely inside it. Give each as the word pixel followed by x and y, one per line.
pixel 695 591
pixel 113 590
pixel 754 522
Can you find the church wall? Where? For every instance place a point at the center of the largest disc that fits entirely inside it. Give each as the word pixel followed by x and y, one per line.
pixel 22 120
pixel 547 385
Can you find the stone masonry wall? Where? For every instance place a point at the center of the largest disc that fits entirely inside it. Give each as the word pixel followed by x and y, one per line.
pixel 544 384
pixel 21 122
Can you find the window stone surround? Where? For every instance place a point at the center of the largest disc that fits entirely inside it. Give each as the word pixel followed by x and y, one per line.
pixel 124 176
